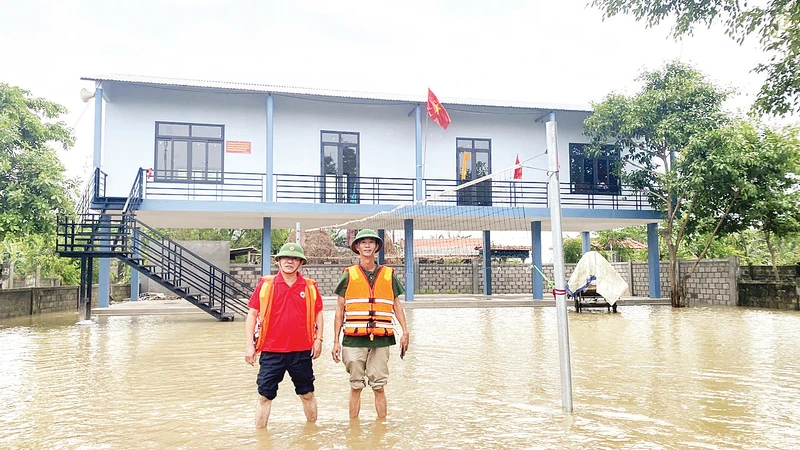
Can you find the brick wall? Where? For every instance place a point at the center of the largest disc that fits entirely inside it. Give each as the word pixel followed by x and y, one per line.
pixel 769 294
pixel 713 282
pixel 42 300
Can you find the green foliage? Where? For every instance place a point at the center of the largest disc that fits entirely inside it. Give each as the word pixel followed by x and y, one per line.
pixel 573 250
pixel 776 25
pixel 701 168
pixel 33 189
pixel 615 241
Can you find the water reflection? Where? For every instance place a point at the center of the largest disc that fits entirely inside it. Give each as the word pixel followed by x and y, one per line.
pixel 648 377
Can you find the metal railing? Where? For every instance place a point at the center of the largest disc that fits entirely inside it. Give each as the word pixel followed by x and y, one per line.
pixel 387 190
pixel 530 193
pixel 136 193
pixel 218 186
pixel 95 187
pixel 341 189
pixel 155 255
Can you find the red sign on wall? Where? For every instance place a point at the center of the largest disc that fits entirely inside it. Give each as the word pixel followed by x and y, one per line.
pixel 237 147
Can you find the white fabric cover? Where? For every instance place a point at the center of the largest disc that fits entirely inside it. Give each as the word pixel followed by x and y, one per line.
pixel 593 269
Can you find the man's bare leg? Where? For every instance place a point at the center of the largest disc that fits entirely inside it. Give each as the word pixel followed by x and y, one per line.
pixel 309 406
pixel 262 411
pixel 380 402
pixel 355 402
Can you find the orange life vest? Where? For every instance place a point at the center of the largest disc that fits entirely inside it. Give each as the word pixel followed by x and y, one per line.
pixel 368 311
pixel 265 309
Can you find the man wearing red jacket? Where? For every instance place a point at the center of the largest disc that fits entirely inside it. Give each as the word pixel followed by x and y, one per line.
pixel 284 324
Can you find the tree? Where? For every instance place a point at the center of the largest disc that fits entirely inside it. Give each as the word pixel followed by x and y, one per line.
pixel 573 250
pixel 774 207
pixel 776 25
pixel 694 163
pixel 33 188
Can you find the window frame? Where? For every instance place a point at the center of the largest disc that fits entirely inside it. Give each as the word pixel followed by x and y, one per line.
pixel 189 151
pixel 342 192
pixel 610 154
pixel 473 150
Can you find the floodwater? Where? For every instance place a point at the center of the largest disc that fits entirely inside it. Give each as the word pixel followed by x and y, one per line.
pixel 650 377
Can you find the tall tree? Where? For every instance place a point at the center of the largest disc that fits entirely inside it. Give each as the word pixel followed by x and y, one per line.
pixel 33 188
pixel 776 25
pixel 681 149
pixel 774 209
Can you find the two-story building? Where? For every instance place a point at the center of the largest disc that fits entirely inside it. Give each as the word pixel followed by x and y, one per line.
pixel 234 155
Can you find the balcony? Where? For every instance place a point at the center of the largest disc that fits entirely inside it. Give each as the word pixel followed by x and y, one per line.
pixel 288 188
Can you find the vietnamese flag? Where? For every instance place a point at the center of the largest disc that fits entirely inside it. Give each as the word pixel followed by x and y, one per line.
pixel 436 111
pixel 518 170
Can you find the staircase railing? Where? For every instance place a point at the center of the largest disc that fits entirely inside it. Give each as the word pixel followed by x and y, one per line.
pixel 90 192
pixel 157 256
pixel 136 194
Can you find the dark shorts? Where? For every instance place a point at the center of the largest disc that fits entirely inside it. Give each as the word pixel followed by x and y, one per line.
pixel 274 365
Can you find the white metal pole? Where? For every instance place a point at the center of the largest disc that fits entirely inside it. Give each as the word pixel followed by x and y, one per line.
pixel 554 195
pixel 297 232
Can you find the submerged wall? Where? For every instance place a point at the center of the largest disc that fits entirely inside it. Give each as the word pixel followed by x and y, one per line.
pixel 30 301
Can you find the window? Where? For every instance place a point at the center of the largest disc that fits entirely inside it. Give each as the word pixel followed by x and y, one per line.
pixel 474 160
pixel 339 158
pixel 189 152
pixel 596 175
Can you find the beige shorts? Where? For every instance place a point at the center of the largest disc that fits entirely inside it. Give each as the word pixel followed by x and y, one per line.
pixel 369 363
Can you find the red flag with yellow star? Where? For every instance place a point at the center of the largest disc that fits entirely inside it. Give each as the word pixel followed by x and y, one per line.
pixel 436 111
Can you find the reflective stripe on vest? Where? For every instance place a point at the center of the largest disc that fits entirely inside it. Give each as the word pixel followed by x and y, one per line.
pixel 265 296
pixel 369 310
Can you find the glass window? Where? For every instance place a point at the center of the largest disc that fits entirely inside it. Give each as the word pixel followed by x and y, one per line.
pixel 189 152
pixel 473 161
pixel 339 165
pixel 596 175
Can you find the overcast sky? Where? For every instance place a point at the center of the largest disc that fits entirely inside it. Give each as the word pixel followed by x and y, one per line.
pixel 538 51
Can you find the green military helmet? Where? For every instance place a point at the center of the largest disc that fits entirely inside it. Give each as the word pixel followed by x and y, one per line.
pixel 291 250
pixel 366 233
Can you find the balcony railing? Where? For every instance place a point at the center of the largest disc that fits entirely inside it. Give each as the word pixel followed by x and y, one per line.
pixel 239 186
pixel 342 189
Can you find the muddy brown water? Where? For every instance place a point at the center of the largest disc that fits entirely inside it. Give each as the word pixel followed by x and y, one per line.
pixel 650 377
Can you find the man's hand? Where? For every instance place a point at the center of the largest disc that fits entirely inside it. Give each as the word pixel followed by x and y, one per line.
pixel 250 354
pixel 336 352
pixel 403 345
pixel 316 350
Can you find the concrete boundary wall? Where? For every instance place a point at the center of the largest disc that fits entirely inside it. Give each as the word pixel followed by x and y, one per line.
pixel 30 301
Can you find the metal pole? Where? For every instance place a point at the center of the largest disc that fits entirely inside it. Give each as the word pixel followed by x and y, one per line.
pixel 297 232
pixel 558 265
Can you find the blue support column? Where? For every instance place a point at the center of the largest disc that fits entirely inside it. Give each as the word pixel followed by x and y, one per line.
pixel 419 195
pixel 104 276
pixel 487 263
pixel 536 260
pixel 266 246
pixel 134 272
pixel 270 148
pixel 408 227
pixel 586 242
pixel 653 263
pixel 382 252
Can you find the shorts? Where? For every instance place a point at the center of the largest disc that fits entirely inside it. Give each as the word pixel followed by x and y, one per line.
pixel 274 365
pixel 370 363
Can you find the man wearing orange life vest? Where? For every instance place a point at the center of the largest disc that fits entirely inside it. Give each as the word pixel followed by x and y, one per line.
pixel 285 325
pixel 367 302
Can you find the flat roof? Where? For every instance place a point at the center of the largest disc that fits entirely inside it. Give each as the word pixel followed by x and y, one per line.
pixel 211 85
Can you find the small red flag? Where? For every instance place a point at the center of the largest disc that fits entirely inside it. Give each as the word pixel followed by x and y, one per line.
pixel 518 170
pixel 436 111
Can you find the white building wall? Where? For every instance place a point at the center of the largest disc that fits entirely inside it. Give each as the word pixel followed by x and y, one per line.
pixel 387 133
pixel 132 111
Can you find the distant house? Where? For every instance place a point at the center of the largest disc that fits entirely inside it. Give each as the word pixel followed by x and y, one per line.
pixel 464 248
